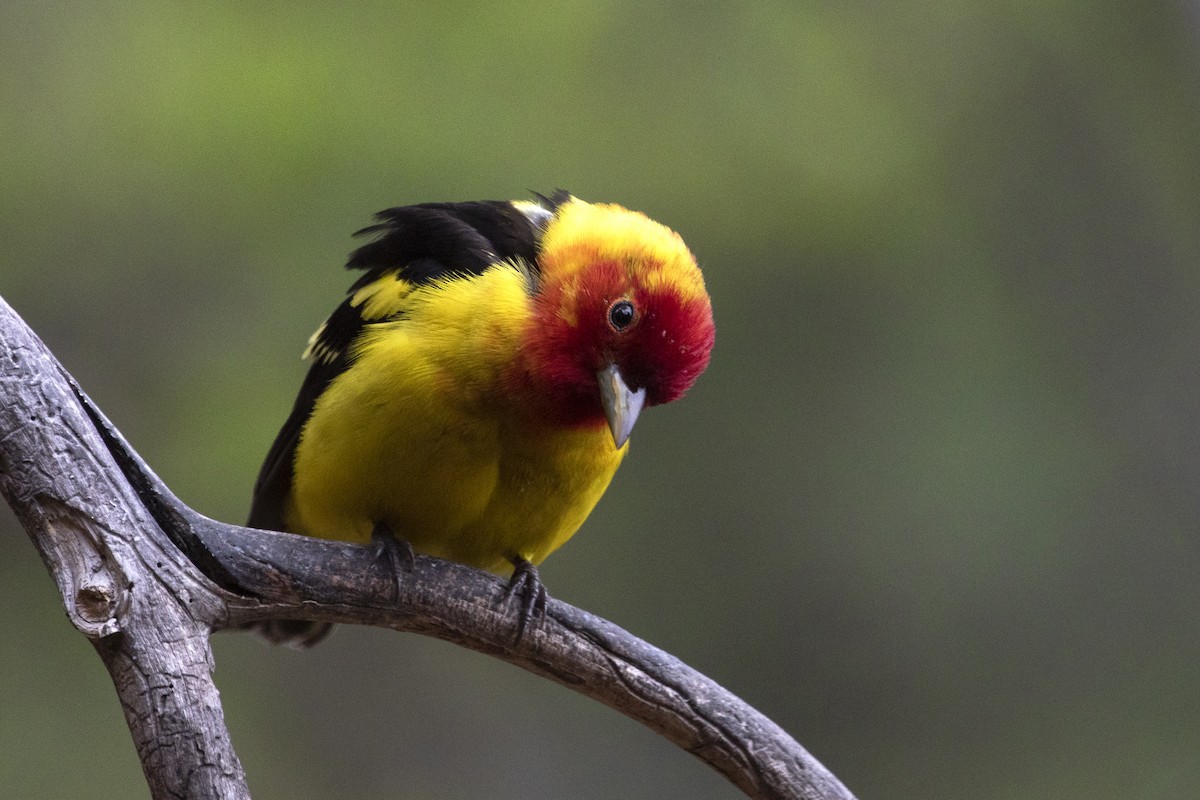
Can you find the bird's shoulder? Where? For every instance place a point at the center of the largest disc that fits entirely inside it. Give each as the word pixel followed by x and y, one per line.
pixel 414 246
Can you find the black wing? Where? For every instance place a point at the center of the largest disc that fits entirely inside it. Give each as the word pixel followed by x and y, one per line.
pixel 417 244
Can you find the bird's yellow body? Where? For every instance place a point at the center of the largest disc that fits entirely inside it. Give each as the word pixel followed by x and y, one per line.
pixel 474 393
pixel 422 436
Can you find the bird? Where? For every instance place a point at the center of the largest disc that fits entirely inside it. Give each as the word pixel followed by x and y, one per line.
pixel 475 391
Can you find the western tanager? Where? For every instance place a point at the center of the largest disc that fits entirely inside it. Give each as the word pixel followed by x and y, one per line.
pixel 474 393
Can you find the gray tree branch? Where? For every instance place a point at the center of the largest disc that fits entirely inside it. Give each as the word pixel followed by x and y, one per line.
pixel 147 579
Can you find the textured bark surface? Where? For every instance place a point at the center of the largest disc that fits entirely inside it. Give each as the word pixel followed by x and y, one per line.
pixel 146 608
pixel 147 580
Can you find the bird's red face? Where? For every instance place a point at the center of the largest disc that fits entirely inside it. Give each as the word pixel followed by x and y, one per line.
pixel 622 316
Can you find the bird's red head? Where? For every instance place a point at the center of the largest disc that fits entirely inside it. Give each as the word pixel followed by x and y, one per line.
pixel 621 307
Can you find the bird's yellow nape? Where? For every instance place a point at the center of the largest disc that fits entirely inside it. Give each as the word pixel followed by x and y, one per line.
pixel 582 234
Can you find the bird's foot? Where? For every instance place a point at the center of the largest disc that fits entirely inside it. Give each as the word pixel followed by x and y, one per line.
pixel 530 592
pixel 398 553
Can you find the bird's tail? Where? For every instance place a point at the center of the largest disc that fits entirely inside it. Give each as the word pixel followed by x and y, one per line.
pixel 299 634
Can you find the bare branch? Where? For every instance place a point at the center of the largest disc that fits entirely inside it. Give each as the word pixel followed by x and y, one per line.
pixel 147 579
pixel 146 608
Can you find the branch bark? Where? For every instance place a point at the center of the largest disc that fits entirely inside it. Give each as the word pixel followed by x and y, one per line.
pixel 147 579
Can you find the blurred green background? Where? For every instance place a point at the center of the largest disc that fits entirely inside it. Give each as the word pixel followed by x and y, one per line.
pixel 934 508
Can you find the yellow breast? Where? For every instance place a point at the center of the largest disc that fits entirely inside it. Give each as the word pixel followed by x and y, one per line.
pixel 419 434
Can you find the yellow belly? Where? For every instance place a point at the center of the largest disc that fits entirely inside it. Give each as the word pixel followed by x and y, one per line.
pixel 479 492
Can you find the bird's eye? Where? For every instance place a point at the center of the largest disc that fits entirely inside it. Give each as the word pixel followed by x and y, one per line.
pixel 621 314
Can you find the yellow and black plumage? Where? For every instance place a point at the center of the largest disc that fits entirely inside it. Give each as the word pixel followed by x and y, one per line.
pixel 473 394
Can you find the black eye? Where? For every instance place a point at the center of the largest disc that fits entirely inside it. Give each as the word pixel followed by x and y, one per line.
pixel 620 316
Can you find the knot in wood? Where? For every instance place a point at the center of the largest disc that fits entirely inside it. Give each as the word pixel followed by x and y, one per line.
pixel 95 602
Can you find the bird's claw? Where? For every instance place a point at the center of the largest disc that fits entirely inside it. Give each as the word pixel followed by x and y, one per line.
pixel 527 586
pixel 398 553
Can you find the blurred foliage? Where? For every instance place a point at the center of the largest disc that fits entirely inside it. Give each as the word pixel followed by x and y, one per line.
pixel 933 509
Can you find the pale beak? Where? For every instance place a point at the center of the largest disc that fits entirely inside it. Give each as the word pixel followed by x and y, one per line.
pixel 621 405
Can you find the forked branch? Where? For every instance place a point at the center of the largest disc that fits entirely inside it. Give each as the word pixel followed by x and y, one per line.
pixel 147 579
